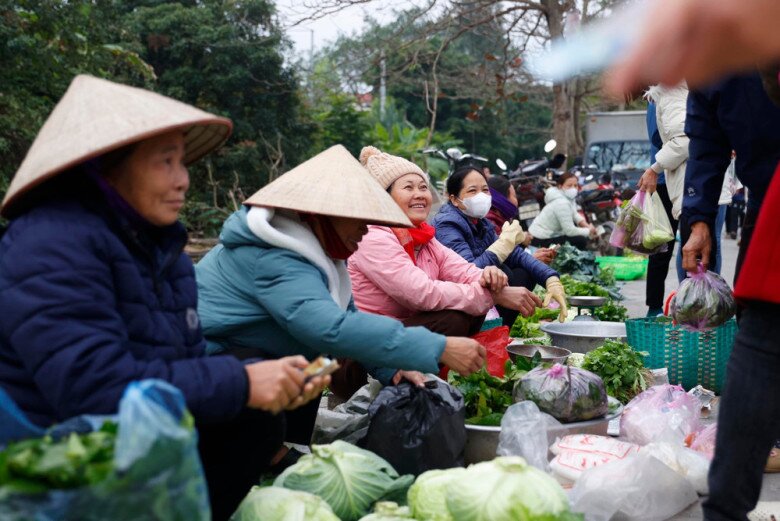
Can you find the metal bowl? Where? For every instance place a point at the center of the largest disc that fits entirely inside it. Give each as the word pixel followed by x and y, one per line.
pixel 482 441
pixel 551 354
pixel 582 337
pixel 591 302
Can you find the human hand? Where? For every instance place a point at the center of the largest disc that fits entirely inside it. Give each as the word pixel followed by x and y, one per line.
pixel 512 232
pixel 593 231
pixel 545 255
pixel 555 291
pixel 528 239
pixel 648 182
pixel 493 279
pixel 275 384
pixel 463 355
pixel 414 377
pixel 702 40
pixel 519 299
pixel 699 245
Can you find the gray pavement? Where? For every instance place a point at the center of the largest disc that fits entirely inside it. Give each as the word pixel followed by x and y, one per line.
pixel 634 293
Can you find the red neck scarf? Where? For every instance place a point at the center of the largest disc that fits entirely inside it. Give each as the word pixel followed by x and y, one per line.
pixel 331 242
pixel 412 238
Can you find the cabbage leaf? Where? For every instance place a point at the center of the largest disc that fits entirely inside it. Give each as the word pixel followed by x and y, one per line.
pixel 280 504
pixel 428 496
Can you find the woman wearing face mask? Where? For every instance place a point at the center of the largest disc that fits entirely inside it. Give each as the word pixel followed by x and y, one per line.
pixel 559 221
pixel 462 226
pixel 504 209
pixel 407 274
pixel 278 285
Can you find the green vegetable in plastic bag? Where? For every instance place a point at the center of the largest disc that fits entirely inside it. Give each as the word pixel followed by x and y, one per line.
pixel 567 394
pixel 281 504
pixel 703 301
pixel 350 479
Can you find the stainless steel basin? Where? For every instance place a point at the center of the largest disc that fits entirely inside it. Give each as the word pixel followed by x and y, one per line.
pixel 551 354
pixel 581 337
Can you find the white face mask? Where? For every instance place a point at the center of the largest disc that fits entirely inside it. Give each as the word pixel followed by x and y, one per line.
pixel 571 193
pixel 477 206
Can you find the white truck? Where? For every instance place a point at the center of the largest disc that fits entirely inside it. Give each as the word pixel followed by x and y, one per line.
pixel 617 143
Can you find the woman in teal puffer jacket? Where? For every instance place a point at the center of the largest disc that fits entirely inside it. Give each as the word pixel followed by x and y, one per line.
pixel 278 285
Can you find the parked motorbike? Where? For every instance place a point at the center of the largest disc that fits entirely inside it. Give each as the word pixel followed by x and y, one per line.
pixel 456 158
pixel 599 207
pixel 531 179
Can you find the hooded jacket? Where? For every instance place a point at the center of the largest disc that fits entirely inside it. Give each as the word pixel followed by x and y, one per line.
pixel 386 282
pixel 279 301
pixel 557 218
pixel 90 304
pixel 471 240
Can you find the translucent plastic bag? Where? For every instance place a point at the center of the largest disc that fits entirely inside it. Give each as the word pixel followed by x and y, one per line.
pixel 566 393
pixel 643 225
pixel 347 421
pixel 156 472
pixel 528 432
pixel 703 441
pixel 661 413
pixel 703 301
pixel 639 487
pixel 691 465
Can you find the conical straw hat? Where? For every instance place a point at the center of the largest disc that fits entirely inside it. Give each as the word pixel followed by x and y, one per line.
pixel 96 116
pixel 332 183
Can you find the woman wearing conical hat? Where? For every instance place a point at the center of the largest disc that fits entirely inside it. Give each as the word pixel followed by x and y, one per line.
pixel 97 293
pixel 409 275
pixel 278 283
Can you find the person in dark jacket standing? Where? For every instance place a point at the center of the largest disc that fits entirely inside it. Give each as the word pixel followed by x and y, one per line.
pixel 733 114
pixel 97 292
pixel 461 225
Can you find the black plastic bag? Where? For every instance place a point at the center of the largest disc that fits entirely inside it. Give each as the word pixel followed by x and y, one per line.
pixel 418 428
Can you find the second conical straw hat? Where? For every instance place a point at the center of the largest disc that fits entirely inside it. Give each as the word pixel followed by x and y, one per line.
pixel 332 183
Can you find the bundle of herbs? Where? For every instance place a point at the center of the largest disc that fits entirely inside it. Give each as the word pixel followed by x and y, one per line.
pixel 622 369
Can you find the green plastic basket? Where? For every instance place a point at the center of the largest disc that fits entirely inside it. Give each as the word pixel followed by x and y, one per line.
pixel 691 358
pixel 626 268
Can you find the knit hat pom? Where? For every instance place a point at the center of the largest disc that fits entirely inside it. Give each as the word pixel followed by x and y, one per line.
pixel 368 152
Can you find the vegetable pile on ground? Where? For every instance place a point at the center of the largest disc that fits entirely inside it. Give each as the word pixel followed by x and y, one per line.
pixel 621 368
pixel 40 464
pixel 582 266
pixel 487 397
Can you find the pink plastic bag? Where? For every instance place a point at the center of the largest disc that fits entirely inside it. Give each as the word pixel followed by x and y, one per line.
pixel 664 413
pixel 642 225
pixel 704 440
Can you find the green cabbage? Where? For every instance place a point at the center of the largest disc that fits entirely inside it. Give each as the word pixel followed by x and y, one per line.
pixel 428 498
pixel 350 479
pixel 388 511
pixel 506 489
pixel 280 504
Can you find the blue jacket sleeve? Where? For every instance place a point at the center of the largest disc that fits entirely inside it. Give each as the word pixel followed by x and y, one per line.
pixel 709 156
pixel 451 236
pixel 60 317
pixel 295 294
pixel 538 270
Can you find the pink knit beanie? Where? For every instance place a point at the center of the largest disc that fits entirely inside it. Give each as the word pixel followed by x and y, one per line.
pixel 387 168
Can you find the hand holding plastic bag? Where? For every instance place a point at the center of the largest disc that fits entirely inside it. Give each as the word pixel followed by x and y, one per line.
pixel 703 301
pixel 566 393
pixel 643 225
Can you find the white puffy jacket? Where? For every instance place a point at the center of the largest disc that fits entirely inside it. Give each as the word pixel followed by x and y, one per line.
pixel 670 109
pixel 558 218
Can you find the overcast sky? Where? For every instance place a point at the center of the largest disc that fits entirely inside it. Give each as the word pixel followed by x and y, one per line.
pixel 328 29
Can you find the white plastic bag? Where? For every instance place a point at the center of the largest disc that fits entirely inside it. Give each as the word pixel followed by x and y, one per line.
pixel 347 421
pixel 526 431
pixel 661 413
pixel 691 465
pixel 639 488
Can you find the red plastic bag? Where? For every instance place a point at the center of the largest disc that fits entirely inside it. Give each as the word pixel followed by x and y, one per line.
pixel 495 341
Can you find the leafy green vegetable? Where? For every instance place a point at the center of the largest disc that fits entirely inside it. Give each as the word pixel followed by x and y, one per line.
pixel 39 464
pixel 573 261
pixel 621 368
pixel 506 489
pixel 578 288
pixel 350 479
pixel 388 511
pixel 281 504
pixel 566 393
pixel 428 496
pixel 487 397
pixel 703 301
pixel 530 327
pixel 611 312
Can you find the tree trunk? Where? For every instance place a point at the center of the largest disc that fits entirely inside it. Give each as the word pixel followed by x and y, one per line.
pixel 563 94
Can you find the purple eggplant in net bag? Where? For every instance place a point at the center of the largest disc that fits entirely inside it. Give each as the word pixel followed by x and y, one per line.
pixel 703 301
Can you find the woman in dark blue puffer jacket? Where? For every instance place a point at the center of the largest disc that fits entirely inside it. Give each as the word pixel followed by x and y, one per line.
pixel 461 225
pixel 97 292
